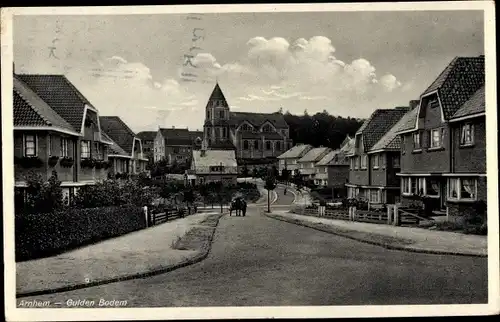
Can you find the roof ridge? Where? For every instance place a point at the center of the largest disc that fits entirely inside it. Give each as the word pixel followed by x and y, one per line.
pixel 77 91
pixel 33 107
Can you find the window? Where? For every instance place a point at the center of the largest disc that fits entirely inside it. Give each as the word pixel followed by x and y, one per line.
pixel 352 163
pixel 421 186
pixel 364 160
pixel 98 151
pixel 414 186
pixel 374 196
pixel 406 183
pixel 432 187
pixel 267 128
pixel 49 138
pixel 256 144
pixel 30 145
pixel 403 144
pixel 64 147
pixel 208 114
pixel 216 169
pixel 278 145
pixel 433 103
pixel 375 161
pixel 396 161
pixel 176 150
pixel 268 145
pixel 416 140
pixel 221 114
pixel 357 162
pixel 245 127
pixel 462 189
pixel 467 134
pixel 436 138
pixel 245 145
pixel 85 147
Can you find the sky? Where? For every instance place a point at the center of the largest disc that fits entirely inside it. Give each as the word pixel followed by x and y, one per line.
pixel 159 70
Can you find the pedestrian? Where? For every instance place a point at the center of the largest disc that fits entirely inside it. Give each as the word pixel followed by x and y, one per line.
pixel 244 207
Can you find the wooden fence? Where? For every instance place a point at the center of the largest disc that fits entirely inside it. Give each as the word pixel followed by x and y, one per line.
pixel 392 216
pixel 156 218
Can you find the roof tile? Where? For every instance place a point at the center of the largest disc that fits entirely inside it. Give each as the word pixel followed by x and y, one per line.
pixel 118 131
pixel 476 104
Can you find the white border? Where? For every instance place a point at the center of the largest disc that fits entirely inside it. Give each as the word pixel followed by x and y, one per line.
pixel 13 313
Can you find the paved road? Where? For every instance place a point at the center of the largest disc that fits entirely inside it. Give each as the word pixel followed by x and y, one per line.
pixel 260 261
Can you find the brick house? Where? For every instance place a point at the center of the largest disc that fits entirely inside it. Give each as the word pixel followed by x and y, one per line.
pixel 174 145
pixel 322 172
pixel 288 160
pixel 338 168
pixel 308 162
pixel 126 154
pixel 372 173
pixel 56 128
pixel 148 143
pixel 443 154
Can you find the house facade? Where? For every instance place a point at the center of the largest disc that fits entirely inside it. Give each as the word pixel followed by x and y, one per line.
pixel 126 154
pixel 335 160
pixel 443 153
pixel 372 172
pixel 256 138
pixel 307 164
pixel 56 128
pixel 288 160
pixel 175 145
pixel 214 166
pixel 148 143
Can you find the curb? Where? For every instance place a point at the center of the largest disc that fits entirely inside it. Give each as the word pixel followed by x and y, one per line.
pixel 196 259
pixel 384 245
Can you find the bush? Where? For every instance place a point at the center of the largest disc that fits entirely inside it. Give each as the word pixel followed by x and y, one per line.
pixel 43 196
pixel 46 234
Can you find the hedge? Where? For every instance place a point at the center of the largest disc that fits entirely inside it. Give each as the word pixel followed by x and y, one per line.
pixel 40 235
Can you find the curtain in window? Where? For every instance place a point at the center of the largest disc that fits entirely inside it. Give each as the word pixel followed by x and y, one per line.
pixel 453 188
pixel 469 186
pixel 463 134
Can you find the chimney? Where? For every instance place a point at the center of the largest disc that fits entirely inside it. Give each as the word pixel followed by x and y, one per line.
pixel 413 104
pixel 173 127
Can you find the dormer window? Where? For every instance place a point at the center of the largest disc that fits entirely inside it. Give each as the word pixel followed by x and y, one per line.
pixel 246 128
pixel 267 128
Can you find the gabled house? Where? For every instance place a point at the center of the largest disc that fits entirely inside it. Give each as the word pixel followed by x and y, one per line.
pixel 307 163
pixel 214 166
pixel 132 161
pixel 372 173
pixel 56 128
pixel 288 160
pixel 443 151
pixel 338 168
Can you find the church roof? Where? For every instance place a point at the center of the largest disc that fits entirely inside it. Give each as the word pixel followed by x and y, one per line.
pixel 217 94
pixel 257 119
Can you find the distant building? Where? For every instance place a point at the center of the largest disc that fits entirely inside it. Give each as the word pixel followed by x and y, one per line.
pixel 308 161
pixel 256 138
pixel 148 143
pixel 288 160
pixel 334 166
pixel 214 166
pixel 176 145
pixel 127 154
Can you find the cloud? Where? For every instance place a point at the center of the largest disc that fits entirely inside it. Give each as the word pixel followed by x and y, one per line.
pixel 389 82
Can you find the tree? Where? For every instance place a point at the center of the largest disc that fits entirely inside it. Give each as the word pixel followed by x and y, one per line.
pixel 43 197
pixel 270 185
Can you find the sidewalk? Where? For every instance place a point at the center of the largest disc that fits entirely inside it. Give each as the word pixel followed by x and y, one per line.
pixel 394 237
pixel 145 252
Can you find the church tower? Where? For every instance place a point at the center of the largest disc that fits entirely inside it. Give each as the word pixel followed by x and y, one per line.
pixel 216 127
